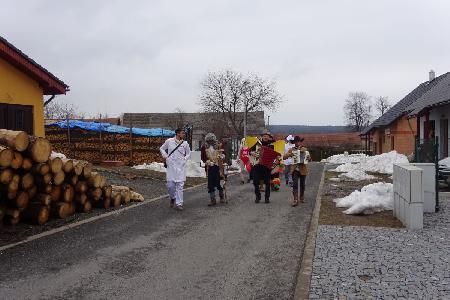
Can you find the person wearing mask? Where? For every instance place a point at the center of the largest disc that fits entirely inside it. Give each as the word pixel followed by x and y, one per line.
pixel 213 158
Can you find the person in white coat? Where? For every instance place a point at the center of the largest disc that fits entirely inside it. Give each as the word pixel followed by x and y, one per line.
pixel 176 152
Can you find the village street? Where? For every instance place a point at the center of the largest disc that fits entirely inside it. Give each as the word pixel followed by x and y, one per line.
pixel 241 250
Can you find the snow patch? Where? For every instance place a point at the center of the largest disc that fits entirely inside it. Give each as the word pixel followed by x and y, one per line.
pixel 355 175
pixel 345 158
pixel 235 168
pixel 154 166
pixel 193 169
pixel 57 154
pixel 372 198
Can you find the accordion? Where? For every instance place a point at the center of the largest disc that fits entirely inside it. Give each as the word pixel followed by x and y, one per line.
pixel 299 157
pixel 267 156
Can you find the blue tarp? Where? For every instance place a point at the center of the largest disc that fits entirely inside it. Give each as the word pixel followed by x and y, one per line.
pixel 107 127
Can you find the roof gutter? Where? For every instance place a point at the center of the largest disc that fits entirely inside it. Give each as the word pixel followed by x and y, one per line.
pixel 49 100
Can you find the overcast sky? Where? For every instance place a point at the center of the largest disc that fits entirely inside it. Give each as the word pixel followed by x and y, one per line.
pixel 149 56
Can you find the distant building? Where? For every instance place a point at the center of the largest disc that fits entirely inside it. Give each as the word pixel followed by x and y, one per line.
pixel 302 129
pixel 23 84
pixel 202 123
pixel 113 121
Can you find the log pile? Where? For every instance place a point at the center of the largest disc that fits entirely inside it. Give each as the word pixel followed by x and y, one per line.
pixel 36 186
pixel 105 146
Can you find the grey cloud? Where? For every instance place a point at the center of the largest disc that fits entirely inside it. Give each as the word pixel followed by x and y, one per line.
pixel 124 56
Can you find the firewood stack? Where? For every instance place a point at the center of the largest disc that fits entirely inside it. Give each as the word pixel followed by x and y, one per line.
pixel 35 186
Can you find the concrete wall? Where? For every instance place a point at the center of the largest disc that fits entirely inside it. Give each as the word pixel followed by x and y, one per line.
pixel 18 88
pixel 408 195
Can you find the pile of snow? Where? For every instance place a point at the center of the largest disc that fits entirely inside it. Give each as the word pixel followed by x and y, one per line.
pixel 345 158
pixel 383 163
pixel 193 169
pixel 372 198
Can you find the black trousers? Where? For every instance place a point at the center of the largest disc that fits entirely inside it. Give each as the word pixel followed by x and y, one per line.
pixel 214 179
pixel 295 178
pixel 252 171
pixel 261 173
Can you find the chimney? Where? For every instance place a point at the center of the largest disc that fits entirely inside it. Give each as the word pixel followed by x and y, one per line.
pixel 431 75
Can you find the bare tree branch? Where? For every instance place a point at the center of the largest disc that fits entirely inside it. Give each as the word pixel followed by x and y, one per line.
pixel 358 110
pixel 230 94
pixel 382 105
pixel 58 110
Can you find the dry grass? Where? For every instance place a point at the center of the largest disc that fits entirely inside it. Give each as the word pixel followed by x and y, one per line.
pixel 332 215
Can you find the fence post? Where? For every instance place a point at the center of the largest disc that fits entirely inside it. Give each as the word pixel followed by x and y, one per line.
pixel 101 143
pixel 131 139
pixel 68 137
pixel 436 164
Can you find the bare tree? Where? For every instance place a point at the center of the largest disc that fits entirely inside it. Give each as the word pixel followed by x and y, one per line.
pixel 58 110
pixel 230 95
pixel 382 105
pixel 358 110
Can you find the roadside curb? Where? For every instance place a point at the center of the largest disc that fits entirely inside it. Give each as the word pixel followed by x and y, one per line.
pixel 304 275
pixel 89 220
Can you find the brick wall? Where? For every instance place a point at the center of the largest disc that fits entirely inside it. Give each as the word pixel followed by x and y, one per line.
pixel 399 136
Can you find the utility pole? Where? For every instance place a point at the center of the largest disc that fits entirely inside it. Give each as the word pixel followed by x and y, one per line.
pixel 245 121
pixel 245 83
pixel 268 121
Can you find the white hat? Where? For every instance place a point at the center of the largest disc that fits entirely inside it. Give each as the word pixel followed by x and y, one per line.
pixel 290 138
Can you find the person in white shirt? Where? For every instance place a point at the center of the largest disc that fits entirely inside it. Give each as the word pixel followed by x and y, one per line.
pixel 288 161
pixel 176 153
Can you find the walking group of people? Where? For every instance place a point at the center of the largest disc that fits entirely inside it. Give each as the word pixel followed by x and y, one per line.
pixel 260 161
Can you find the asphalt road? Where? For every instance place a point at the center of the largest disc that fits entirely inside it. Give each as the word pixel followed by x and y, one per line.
pixel 241 250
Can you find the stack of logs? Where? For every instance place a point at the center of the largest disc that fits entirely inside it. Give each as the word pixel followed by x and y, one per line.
pixel 34 185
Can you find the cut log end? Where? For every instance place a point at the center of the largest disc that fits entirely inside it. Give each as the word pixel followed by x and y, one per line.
pixel 6 156
pixel 17 140
pixel 40 149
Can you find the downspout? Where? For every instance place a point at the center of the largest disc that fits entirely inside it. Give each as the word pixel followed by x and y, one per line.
pixel 49 100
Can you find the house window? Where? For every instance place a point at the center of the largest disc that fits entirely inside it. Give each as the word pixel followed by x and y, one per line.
pixel 16 117
pixel 19 120
pixel 392 143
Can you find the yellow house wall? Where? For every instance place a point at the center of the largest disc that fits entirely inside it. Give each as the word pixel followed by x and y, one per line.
pixel 17 88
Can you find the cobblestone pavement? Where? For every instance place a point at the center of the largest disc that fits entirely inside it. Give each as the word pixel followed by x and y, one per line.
pixel 383 263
